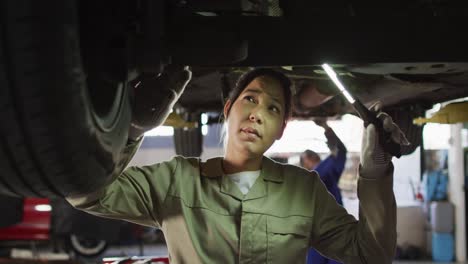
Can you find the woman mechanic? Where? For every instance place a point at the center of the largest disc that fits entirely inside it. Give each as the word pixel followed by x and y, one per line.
pixel 244 207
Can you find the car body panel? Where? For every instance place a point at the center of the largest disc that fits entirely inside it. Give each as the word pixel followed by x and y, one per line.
pixel 35 225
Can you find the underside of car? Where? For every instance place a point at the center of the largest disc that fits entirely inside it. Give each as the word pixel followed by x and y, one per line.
pixel 66 69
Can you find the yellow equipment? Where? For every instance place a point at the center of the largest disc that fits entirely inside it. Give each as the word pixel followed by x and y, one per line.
pixel 176 121
pixel 450 114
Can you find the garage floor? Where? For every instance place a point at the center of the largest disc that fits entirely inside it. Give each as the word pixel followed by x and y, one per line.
pixel 153 250
pixel 162 250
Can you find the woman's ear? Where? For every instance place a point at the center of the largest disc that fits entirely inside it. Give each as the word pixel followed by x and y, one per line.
pixel 227 106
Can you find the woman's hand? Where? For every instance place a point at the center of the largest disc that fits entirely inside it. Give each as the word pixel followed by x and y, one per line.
pixel 154 96
pixel 374 159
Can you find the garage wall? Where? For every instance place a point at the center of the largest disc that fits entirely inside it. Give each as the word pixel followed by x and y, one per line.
pixel 156 149
pixel 411 226
pixel 406 178
pixel 148 156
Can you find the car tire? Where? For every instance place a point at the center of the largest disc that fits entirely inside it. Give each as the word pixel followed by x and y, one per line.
pixel 403 117
pixel 87 247
pixel 57 136
pixel 189 141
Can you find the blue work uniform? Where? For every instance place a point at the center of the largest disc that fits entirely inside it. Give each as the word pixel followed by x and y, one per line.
pixel 330 170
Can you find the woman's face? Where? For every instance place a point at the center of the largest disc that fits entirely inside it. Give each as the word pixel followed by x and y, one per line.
pixel 256 118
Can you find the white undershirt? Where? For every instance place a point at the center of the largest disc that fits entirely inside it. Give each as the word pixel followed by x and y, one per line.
pixel 244 179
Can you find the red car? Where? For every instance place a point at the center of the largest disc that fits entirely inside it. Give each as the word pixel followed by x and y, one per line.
pixel 39 219
pixel 34 224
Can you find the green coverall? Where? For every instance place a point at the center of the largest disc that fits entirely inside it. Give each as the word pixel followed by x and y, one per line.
pixel 206 219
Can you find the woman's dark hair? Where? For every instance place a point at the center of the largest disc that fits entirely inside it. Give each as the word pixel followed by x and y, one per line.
pixel 249 76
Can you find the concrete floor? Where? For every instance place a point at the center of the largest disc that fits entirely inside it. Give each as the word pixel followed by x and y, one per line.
pixel 161 250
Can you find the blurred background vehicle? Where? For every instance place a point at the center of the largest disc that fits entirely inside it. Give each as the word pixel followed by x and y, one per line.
pixel 36 222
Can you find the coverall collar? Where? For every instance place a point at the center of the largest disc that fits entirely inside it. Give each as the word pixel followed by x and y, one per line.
pixel 270 171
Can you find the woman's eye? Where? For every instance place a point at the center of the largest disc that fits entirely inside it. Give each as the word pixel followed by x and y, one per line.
pixel 275 109
pixel 249 98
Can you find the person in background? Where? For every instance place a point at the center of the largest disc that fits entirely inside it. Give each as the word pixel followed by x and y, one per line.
pixel 330 170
